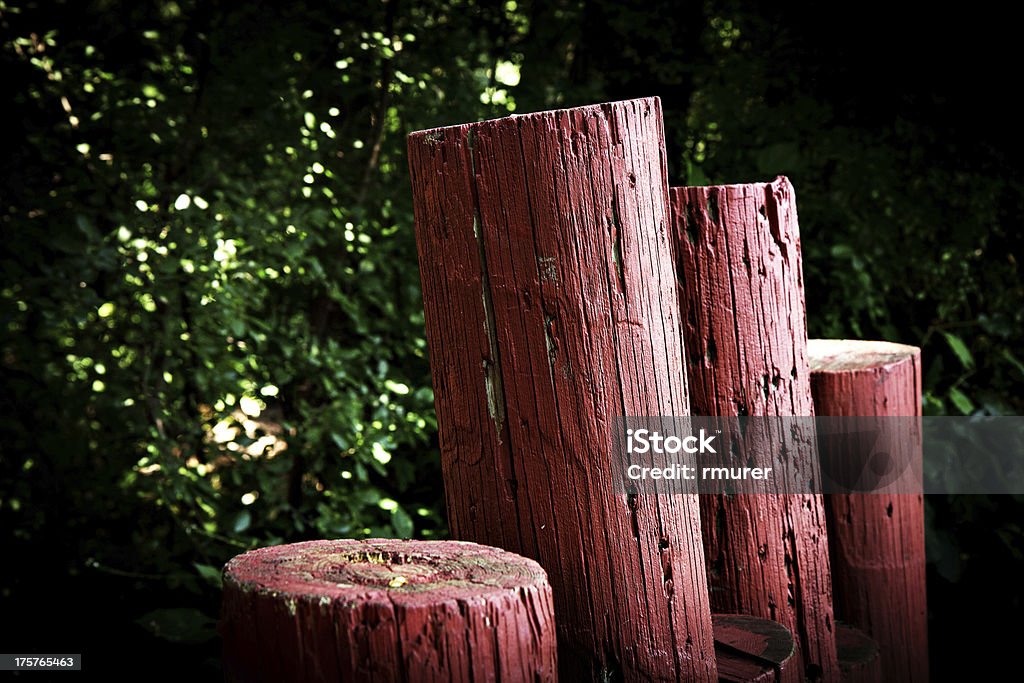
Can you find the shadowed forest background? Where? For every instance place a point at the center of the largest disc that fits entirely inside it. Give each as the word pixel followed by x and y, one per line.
pixel 210 317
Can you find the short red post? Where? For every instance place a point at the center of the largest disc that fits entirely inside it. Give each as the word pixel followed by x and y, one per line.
pixel 551 309
pixel 877 540
pixel 751 650
pixel 859 660
pixel 742 297
pixel 386 610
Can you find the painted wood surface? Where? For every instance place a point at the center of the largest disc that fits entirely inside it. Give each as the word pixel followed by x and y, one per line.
pixel 741 288
pixel 751 650
pixel 877 540
pixel 859 660
pixel 386 610
pixel 551 308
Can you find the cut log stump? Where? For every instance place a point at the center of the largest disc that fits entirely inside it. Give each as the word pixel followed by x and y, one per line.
pixel 386 610
pixel 550 308
pixel 742 296
pixel 877 539
pixel 751 650
pixel 859 660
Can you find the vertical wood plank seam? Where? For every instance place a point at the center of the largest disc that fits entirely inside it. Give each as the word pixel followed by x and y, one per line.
pixel 495 387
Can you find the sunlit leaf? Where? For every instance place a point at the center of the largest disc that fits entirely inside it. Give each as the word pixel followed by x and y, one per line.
pixel 960 349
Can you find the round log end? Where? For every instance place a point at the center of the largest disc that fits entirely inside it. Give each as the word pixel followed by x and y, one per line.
pixel 397 572
pixel 780 184
pixel 386 610
pixel 748 649
pixel 435 136
pixel 859 660
pixel 845 355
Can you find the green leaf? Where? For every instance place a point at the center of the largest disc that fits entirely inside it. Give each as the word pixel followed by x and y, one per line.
pixel 1013 360
pixel 960 349
pixel 242 521
pixel 695 174
pixel 841 251
pixel 179 625
pixel 87 228
pixel 781 157
pixel 961 401
pixel 402 522
pixel 209 573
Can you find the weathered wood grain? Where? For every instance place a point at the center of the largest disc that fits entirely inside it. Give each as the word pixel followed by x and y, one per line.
pixel 742 297
pixel 550 309
pixel 386 610
pixel 877 540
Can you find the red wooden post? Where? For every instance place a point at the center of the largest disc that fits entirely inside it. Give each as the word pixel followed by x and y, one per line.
pixel 877 541
pixel 742 297
pixel 385 610
pixel 551 309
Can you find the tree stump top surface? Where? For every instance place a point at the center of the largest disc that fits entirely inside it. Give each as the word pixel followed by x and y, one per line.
pixel 750 649
pixel 737 190
pixel 856 649
pixel 438 134
pixel 396 572
pixel 840 355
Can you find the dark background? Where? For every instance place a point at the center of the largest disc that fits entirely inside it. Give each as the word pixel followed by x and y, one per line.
pixel 210 319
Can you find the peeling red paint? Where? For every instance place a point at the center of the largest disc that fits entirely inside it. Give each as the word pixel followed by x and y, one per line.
pixel 877 541
pixel 386 610
pixel 551 308
pixel 742 301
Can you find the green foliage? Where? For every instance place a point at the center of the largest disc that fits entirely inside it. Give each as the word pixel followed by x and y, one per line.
pixel 212 324
pixel 896 246
pixel 179 625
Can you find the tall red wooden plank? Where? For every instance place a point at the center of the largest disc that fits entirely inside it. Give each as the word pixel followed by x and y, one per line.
pixel 742 297
pixel 551 309
pixel 387 611
pixel 876 540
